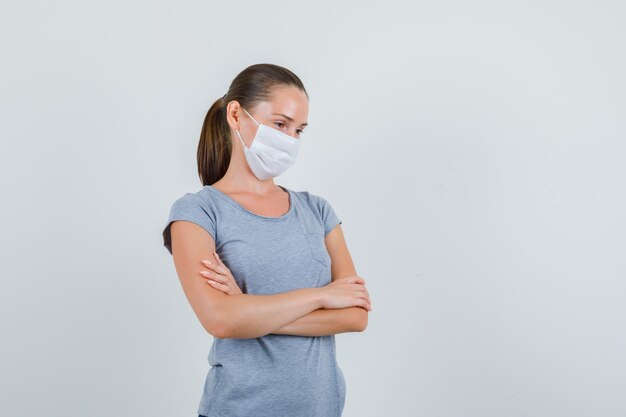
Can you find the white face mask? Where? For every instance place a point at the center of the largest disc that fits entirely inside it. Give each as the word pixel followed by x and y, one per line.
pixel 271 152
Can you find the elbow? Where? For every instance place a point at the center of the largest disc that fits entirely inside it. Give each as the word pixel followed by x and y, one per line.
pixel 215 328
pixel 223 322
pixel 362 326
pixel 218 330
pixel 227 330
pixel 216 325
pixel 362 320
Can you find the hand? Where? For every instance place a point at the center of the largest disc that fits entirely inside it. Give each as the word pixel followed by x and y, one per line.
pixel 220 276
pixel 346 292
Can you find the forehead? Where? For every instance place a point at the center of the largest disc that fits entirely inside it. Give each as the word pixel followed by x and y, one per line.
pixel 289 101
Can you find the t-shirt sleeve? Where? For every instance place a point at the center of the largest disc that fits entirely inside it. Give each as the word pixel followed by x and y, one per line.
pixel 330 219
pixel 191 209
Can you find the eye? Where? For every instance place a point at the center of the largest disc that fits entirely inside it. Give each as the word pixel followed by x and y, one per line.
pixel 300 131
pixel 279 124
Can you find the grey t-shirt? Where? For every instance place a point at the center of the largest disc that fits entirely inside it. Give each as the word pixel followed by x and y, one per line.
pixel 273 375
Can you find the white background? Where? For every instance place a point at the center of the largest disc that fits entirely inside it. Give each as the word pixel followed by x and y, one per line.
pixel 474 151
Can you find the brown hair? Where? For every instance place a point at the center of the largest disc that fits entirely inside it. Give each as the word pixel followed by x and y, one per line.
pixel 253 85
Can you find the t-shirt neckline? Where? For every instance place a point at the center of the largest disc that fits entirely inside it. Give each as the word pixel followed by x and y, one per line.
pixel 227 198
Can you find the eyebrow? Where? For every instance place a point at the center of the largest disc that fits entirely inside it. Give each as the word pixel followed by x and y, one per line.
pixel 289 118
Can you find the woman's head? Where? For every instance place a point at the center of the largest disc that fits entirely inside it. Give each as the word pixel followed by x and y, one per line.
pixel 271 94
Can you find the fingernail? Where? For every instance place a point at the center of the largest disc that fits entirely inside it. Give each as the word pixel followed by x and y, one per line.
pixel 206 261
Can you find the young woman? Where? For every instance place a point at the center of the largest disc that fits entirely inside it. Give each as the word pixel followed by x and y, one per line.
pixel 266 269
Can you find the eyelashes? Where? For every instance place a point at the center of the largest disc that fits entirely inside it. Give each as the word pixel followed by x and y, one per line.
pixel 280 125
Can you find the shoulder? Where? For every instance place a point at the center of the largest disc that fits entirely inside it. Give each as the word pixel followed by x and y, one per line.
pixel 322 209
pixel 199 202
pixel 313 200
pixel 199 197
pixel 196 207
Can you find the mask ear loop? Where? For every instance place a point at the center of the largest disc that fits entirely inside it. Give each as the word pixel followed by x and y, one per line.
pixel 238 134
pixel 242 143
pixel 251 117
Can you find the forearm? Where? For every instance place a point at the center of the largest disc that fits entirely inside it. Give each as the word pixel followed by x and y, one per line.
pixel 324 322
pixel 255 315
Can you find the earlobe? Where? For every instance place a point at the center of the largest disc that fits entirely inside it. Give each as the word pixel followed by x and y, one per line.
pixel 233 121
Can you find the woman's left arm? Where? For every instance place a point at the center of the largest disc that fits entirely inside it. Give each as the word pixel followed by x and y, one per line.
pixel 320 322
pixel 323 322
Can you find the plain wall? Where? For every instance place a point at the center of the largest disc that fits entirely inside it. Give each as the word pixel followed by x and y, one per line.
pixel 473 150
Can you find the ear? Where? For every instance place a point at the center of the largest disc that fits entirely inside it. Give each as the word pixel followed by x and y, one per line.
pixel 233 114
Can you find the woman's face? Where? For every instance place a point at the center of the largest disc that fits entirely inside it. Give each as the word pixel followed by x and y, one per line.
pixel 287 111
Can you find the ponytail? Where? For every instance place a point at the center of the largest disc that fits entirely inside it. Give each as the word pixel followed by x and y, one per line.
pixel 214 147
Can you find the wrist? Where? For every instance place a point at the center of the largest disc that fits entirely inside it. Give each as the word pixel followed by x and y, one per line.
pixel 317 297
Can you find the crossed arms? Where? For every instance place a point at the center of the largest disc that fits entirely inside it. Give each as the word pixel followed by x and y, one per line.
pixel 299 312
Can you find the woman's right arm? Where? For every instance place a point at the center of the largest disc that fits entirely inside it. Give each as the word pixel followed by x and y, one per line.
pixel 232 316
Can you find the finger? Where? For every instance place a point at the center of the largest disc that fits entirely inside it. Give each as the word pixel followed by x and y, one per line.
pixel 364 304
pixel 359 280
pixel 220 278
pixel 208 262
pixel 367 299
pixel 221 269
pixel 218 286
pixel 217 268
pixel 361 294
pixel 213 276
